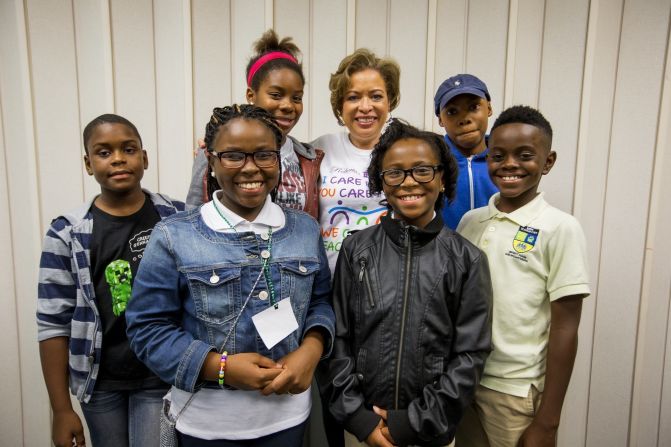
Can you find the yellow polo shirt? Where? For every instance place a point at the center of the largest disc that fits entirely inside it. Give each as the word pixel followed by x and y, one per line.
pixel 536 255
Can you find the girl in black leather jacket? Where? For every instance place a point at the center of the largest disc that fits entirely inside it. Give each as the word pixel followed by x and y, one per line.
pixel 413 305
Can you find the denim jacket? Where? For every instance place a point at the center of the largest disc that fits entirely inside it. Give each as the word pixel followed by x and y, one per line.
pixel 192 284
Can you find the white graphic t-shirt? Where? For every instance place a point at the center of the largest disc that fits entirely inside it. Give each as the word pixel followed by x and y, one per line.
pixel 345 203
pixel 291 193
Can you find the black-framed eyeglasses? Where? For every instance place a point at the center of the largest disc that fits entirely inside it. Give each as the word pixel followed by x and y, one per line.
pixel 237 159
pixel 421 174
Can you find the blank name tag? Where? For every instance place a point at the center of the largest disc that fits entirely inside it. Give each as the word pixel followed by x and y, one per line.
pixel 274 325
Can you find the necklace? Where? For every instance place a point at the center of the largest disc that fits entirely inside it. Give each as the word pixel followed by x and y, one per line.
pixel 265 255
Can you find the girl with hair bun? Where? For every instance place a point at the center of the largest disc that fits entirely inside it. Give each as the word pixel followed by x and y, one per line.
pixel 275 82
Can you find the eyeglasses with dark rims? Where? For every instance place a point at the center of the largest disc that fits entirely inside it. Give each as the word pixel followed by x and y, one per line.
pixel 237 159
pixel 421 174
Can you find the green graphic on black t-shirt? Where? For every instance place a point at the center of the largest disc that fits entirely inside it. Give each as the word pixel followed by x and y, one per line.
pixel 119 276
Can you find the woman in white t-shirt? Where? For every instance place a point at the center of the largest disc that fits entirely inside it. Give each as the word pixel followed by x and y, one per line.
pixel 364 91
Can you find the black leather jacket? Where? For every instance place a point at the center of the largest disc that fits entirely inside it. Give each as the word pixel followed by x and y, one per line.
pixel 413 330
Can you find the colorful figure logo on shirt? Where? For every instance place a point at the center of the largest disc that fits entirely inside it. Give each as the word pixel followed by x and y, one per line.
pixel 119 277
pixel 363 214
pixel 525 239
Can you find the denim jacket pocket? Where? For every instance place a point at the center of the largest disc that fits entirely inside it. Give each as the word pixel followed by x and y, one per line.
pixel 216 293
pixel 297 280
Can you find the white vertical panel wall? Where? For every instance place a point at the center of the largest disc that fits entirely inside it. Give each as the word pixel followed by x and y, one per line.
pixel 598 69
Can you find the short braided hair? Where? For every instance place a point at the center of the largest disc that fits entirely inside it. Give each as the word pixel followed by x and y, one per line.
pixel 222 116
pixel 399 130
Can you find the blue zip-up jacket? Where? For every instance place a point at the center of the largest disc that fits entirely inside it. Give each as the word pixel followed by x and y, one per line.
pixel 66 302
pixel 474 187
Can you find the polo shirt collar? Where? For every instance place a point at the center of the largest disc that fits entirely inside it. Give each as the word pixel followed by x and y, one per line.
pixel 270 215
pixel 521 216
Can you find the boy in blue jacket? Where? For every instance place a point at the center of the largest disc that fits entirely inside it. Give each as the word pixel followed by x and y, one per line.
pixel 462 105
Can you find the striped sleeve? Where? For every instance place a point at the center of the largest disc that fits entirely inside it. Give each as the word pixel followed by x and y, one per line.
pixel 57 288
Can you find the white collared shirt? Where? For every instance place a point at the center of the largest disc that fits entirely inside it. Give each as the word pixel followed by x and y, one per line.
pixel 271 215
pixel 537 254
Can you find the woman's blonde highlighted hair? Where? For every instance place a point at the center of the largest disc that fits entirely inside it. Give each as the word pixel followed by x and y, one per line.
pixel 363 59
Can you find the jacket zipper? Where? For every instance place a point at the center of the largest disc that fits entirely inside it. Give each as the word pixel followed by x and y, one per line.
pixel 406 286
pixel 470 181
pixel 364 273
pixel 91 356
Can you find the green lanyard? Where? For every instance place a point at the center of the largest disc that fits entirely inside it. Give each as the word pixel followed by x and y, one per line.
pixel 265 254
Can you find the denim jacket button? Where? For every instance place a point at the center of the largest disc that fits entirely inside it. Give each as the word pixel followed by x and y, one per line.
pixel 264 236
pixel 302 269
pixel 263 295
pixel 265 254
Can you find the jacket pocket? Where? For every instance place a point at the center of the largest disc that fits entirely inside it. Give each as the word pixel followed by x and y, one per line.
pixel 365 281
pixel 297 279
pixel 216 293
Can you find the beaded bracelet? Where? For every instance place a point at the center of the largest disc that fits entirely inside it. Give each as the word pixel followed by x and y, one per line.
pixel 222 368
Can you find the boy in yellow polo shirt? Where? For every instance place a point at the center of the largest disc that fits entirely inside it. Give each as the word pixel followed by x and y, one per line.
pixel 538 266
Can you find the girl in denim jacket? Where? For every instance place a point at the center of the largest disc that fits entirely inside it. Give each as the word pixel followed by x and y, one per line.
pixel 231 301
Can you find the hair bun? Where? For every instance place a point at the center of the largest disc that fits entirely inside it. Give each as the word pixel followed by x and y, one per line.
pixel 270 41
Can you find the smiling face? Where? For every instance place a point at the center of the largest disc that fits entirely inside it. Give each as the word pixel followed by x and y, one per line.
pixel 281 94
pixel 519 155
pixel 365 108
pixel 465 119
pixel 115 158
pixel 412 201
pixel 244 189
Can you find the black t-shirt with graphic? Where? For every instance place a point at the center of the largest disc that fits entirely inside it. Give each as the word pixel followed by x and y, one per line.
pixel 117 245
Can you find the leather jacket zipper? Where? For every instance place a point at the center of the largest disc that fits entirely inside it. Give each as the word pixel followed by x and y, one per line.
pixel 364 274
pixel 406 287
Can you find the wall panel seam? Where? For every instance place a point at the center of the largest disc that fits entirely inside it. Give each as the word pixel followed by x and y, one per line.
pixel 664 365
pixel 662 114
pixel 113 61
pixel 511 47
pixel 542 46
pixel 231 49
pixel 464 52
pixel 79 98
pixel 31 90
pixel 12 292
pixel 431 29
pixel 157 133
pixel 603 209
pixel 387 43
pixel 31 80
pixel 311 53
pixel 194 124
pixel 351 26
pixel 188 71
pixel 269 14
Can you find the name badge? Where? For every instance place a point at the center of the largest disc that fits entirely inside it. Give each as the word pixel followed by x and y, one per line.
pixel 274 325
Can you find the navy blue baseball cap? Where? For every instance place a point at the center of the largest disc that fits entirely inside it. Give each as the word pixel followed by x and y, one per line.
pixel 459 85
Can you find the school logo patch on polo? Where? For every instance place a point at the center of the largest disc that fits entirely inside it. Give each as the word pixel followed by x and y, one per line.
pixel 525 239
